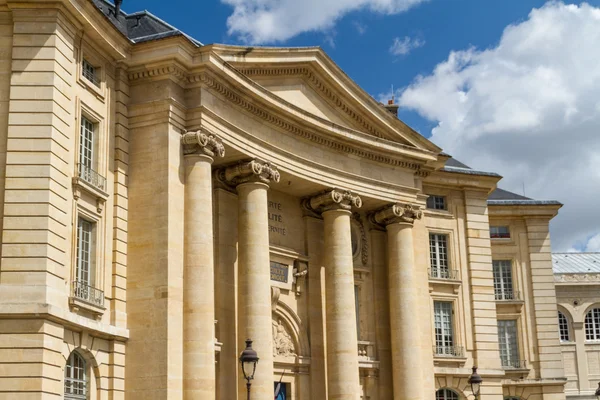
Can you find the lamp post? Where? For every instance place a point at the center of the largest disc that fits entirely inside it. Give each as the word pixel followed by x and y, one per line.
pixel 598 391
pixel 248 360
pixel 475 380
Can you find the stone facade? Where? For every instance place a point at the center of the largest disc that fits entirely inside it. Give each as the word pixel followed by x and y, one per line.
pixel 161 201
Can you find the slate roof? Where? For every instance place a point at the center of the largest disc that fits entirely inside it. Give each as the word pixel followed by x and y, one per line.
pixel 576 263
pixel 141 26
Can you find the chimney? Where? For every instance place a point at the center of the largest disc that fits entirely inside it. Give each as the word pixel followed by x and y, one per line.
pixel 391 107
pixel 118 7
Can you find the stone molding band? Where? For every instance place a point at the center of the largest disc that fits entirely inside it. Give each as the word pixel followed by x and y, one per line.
pixel 397 213
pixel 255 170
pixel 202 143
pixel 334 199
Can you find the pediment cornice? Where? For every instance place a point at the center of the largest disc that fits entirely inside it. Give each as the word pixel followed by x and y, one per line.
pixel 277 112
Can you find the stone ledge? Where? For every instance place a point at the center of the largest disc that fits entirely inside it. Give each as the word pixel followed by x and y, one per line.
pixel 64 317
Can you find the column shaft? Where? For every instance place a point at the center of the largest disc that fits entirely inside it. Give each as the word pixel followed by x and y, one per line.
pixel 406 341
pixel 255 319
pixel 342 345
pixel 198 294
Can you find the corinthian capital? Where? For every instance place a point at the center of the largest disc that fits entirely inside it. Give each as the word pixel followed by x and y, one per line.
pixel 332 200
pixel 202 143
pixel 249 171
pixel 395 213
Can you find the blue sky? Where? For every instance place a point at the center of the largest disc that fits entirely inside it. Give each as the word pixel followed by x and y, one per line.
pixel 504 85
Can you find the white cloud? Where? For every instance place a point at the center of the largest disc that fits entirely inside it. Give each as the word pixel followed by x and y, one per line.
pixel 593 244
pixel 529 109
pixel 360 27
pixel 404 46
pixel 264 21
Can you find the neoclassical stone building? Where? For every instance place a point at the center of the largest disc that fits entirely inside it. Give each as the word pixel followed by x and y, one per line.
pixel 577 280
pixel 163 200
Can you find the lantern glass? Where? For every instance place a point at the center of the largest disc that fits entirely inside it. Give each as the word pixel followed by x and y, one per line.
pixel 475 380
pixel 248 359
pixel 249 367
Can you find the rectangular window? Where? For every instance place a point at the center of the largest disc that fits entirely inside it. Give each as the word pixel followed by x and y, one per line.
pixel 499 232
pixel 86 143
pixel 509 348
pixel 444 331
pixel 503 282
pixel 84 273
pixel 436 202
pixel 438 253
pixel 90 72
pixel 357 309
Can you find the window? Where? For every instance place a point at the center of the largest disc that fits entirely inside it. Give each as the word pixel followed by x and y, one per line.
pixel 499 232
pixel 592 324
pixel 86 143
pixel 436 202
pixel 446 394
pixel 503 284
pixel 75 378
pixel 357 309
pixel 84 271
pixel 563 327
pixel 509 348
pixel 90 72
pixel 281 390
pixel 438 253
pixel 444 332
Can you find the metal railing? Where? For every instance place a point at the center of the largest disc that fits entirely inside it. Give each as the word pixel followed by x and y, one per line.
pixel 91 75
pixel 508 295
pixel 449 351
pixel 437 273
pixel 89 294
pixel 90 176
pixel 514 364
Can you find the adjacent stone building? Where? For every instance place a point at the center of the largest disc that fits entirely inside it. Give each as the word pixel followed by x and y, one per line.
pixel 577 280
pixel 162 200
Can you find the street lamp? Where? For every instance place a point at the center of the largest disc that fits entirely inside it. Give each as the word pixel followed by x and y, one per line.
pixel 248 360
pixel 475 381
pixel 598 391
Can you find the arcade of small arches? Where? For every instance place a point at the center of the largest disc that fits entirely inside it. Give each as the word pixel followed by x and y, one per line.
pixel 591 324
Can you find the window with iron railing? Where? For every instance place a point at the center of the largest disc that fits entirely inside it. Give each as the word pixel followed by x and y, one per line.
pixel 444 330
pixel 87 156
pixel 503 281
pixel 508 341
pixel 83 285
pixel 90 72
pixel 438 255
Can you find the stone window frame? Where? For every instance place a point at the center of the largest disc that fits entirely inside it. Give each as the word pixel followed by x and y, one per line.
pixel 433 197
pixel 513 276
pixel 89 53
pixel 100 163
pixel 451 250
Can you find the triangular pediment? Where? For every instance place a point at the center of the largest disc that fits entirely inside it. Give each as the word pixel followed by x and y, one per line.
pixel 309 80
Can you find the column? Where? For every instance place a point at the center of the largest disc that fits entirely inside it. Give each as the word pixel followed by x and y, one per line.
pixel 403 293
pixel 252 179
pixel 198 283
pixel 342 344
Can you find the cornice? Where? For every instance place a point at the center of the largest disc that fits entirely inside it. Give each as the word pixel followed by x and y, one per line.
pixel 576 279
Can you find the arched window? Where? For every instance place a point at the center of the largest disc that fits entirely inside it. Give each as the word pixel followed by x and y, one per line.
pixel 446 394
pixel 563 328
pixel 592 324
pixel 75 378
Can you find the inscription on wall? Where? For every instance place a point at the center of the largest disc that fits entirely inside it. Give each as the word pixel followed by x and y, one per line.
pixel 276 220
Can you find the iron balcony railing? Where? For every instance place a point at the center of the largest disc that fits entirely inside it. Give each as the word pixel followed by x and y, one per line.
pixel 91 76
pixel 448 351
pixel 514 364
pixel 88 294
pixel 508 295
pixel 90 176
pixel 437 273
